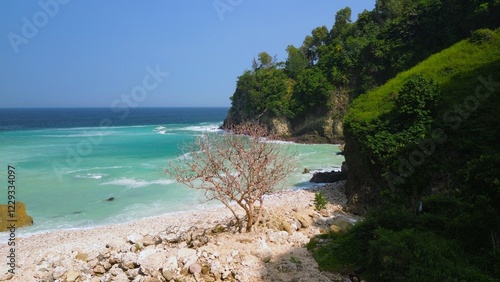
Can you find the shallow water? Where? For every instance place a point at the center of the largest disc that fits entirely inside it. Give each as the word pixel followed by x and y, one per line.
pixel 67 168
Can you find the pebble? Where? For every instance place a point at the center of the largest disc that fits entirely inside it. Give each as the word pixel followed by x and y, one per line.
pixel 118 250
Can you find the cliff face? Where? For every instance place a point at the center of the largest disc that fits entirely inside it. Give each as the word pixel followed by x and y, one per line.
pixel 314 127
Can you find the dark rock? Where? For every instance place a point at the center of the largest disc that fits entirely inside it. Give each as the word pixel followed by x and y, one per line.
pixel 110 199
pixel 328 177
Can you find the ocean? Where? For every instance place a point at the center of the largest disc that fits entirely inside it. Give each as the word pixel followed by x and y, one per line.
pixel 69 162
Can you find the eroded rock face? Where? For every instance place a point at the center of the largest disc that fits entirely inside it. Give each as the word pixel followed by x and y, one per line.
pixel 15 212
pixel 316 126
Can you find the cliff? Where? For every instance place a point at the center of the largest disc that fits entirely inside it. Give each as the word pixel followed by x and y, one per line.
pixel 319 126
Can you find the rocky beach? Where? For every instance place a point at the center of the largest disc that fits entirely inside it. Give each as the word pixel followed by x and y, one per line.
pixel 189 246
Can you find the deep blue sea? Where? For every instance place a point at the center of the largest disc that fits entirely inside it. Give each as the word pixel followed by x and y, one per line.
pixel 70 161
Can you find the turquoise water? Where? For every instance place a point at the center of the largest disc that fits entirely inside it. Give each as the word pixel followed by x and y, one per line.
pixel 65 175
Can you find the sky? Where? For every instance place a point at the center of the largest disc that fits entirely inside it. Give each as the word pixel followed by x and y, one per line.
pixel 157 53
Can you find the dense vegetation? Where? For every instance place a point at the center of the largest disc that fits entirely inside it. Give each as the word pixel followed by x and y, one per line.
pixel 422 133
pixel 355 57
pixel 429 138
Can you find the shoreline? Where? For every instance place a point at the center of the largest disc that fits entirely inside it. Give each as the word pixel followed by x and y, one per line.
pixel 206 207
pixel 61 246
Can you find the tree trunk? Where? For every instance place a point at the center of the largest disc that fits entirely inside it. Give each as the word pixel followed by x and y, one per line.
pixel 250 221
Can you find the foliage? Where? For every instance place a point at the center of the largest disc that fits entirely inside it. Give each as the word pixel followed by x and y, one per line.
pixel 456 233
pixel 311 92
pixel 418 126
pixel 359 56
pixel 393 245
pixel 320 201
pixel 236 166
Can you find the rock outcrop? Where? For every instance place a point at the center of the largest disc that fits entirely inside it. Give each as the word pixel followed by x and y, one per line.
pixel 314 127
pixel 328 177
pixel 16 213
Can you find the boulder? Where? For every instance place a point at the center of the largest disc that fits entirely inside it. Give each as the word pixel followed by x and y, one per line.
pixel 72 275
pixel 82 256
pixel 279 237
pixel 187 256
pixel 99 269
pixel 264 253
pixel 129 260
pixel 149 240
pixel 356 209
pixel 304 218
pixel 195 268
pixel 171 264
pixel 134 238
pixel 339 225
pixel 328 177
pixel 152 262
pixel 18 211
pixel 167 274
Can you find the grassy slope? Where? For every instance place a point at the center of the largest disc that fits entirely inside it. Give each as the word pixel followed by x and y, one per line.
pixel 446 68
pixel 454 233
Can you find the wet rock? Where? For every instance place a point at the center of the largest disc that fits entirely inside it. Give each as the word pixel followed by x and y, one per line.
pixel 328 177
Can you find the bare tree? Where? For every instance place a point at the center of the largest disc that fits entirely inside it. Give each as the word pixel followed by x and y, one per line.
pixel 239 166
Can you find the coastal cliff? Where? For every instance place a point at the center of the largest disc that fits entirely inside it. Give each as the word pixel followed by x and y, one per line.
pixel 317 126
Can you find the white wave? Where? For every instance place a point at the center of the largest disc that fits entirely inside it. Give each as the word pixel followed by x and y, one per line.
pixel 91 175
pixel 84 134
pixel 204 128
pixel 96 168
pixel 276 141
pixel 137 183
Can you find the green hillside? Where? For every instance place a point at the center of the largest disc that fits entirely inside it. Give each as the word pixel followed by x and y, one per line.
pixel 423 154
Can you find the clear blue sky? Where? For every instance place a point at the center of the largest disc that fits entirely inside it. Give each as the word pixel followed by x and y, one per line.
pixel 96 53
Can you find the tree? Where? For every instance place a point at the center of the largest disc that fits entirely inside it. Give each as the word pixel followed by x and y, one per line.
pixel 266 61
pixel 237 166
pixel 296 62
pixel 312 91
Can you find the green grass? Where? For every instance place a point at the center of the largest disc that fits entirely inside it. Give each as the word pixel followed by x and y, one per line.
pixel 445 68
pixel 452 238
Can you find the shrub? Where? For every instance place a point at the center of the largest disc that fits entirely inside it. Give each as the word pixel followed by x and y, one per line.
pixel 320 201
pixel 481 35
